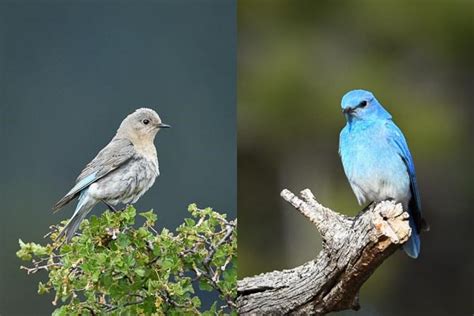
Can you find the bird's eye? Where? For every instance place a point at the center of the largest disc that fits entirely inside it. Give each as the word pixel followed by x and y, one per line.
pixel 145 121
pixel 362 104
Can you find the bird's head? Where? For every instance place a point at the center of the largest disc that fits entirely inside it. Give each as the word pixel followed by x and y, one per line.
pixel 362 105
pixel 142 124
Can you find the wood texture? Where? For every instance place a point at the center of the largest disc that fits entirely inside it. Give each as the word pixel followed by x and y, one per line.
pixel 353 248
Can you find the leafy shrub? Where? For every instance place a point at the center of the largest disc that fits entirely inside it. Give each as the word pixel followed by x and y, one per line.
pixel 114 267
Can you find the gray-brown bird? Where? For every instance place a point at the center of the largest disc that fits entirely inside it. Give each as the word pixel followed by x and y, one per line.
pixel 121 172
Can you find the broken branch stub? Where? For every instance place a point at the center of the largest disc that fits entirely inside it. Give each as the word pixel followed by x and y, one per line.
pixel 353 248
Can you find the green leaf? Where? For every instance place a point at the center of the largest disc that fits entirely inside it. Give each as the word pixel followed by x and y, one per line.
pixel 62 311
pixel 123 241
pixel 189 222
pixel 42 288
pixel 204 285
pixel 139 271
pixel 150 217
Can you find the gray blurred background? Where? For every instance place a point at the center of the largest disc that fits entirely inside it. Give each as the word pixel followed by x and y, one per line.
pixel 296 59
pixel 70 72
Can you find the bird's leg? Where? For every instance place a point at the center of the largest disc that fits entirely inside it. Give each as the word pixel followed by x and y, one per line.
pixel 110 206
pixel 123 208
pixel 367 207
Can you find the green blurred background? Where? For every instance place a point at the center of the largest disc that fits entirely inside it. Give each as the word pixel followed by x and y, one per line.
pixel 296 59
pixel 70 71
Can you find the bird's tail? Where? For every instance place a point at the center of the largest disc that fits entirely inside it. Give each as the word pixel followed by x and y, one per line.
pixel 82 209
pixel 412 246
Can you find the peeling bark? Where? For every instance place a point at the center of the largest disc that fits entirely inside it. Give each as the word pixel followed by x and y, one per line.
pixel 353 248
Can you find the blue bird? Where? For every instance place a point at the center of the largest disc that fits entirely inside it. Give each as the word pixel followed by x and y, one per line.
pixel 377 161
pixel 120 173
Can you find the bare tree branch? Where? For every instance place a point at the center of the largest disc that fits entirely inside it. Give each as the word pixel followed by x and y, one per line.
pixel 353 248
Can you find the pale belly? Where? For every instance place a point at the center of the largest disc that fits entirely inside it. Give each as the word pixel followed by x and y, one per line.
pixel 376 172
pixel 126 184
pixel 380 186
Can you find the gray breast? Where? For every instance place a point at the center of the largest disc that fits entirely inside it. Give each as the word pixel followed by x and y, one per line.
pixel 128 183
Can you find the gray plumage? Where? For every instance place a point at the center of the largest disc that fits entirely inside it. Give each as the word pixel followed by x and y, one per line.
pixel 121 172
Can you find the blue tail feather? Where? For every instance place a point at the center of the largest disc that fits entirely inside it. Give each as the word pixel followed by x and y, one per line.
pixel 82 209
pixel 412 246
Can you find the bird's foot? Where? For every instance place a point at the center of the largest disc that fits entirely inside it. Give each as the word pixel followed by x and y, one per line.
pixel 124 207
pixel 368 207
pixel 111 207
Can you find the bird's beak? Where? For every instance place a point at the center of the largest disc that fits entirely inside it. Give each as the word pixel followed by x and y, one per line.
pixel 163 125
pixel 348 111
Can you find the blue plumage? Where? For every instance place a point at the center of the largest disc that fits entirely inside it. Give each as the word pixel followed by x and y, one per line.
pixel 377 161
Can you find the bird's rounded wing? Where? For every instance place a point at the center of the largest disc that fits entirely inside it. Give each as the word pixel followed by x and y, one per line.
pixel 112 156
pixel 396 137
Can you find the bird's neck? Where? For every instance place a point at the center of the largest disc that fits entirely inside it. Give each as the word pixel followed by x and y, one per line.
pixel 145 147
pixel 358 124
pixel 143 144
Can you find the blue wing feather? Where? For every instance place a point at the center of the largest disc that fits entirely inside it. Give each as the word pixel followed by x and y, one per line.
pixel 412 246
pixel 80 185
pixel 83 183
pixel 396 136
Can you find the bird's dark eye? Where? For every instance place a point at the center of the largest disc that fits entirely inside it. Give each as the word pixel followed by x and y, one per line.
pixel 362 104
pixel 145 121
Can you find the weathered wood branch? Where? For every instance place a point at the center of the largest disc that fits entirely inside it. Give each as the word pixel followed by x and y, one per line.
pixel 353 248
